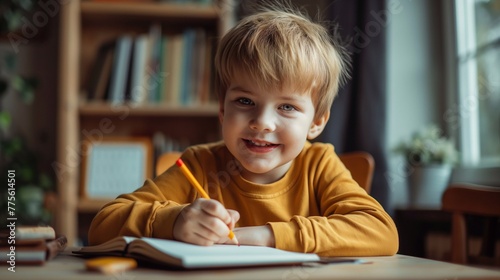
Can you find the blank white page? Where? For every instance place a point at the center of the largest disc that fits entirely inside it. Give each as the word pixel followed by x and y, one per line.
pixel 194 256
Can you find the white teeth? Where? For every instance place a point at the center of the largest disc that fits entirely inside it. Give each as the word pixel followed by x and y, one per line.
pixel 259 144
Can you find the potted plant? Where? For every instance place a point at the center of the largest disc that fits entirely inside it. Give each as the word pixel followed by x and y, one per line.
pixel 430 157
pixel 31 185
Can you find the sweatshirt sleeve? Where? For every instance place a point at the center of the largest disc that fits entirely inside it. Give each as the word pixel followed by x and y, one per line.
pixel 351 222
pixel 149 211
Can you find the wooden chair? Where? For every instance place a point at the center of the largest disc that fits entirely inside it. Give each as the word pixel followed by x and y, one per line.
pixel 479 200
pixel 166 160
pixel 360 164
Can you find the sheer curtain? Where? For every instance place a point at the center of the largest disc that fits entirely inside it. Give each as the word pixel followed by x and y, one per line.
pixel 358 115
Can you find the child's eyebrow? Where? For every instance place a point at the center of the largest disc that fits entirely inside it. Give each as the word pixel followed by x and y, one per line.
pixel 292 97
pixel 239 88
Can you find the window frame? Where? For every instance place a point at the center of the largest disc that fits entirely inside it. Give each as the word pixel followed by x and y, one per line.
pixel 467 86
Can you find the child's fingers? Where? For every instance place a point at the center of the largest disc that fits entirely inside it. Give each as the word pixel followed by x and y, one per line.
pixel 216 226
pixel 191 226
pixel 202 222
pixel 216 209
pixel 235 217
pixel 205 236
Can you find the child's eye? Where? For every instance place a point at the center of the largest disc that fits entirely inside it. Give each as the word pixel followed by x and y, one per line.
pixel 244 101
pixel 288 107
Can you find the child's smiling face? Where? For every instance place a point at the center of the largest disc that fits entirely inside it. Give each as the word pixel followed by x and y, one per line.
pixel 266 129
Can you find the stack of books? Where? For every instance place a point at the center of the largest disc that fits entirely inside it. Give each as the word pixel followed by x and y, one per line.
pixel 30 245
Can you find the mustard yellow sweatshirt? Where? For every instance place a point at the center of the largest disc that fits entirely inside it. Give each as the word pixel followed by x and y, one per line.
pixel 316 207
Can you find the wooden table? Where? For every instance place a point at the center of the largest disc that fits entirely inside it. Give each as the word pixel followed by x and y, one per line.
pixel 68 267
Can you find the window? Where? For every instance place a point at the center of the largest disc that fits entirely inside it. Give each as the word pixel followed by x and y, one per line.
pixel 477 25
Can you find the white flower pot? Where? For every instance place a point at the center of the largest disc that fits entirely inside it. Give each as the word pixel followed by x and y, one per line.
pixel 427 184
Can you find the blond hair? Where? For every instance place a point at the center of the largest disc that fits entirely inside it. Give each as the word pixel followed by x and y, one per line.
pixel 283 47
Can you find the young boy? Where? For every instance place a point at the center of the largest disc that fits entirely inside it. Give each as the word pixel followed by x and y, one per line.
pixel 277 74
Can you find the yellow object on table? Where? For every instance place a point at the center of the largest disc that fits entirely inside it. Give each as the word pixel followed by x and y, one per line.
pixel 110 265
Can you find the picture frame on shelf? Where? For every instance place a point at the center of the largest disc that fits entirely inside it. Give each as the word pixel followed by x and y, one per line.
pixel 115 165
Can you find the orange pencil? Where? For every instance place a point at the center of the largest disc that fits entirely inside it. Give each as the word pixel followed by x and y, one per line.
pixel 198 187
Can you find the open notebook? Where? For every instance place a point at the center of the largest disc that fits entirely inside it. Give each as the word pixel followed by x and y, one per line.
pixel 180 254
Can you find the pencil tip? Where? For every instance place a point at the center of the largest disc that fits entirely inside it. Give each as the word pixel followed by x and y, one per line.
pixel 235 240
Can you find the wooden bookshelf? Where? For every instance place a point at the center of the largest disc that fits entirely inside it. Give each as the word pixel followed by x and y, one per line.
pixel 105 109
pixel 84 27
pixel 148 11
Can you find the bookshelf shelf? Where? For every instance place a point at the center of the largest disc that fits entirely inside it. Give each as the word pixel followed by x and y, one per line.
pixel 85 96
pixel 149 11
pixel 105 109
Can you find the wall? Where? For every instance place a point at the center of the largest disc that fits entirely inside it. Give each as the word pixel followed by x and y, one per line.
pixel 416 80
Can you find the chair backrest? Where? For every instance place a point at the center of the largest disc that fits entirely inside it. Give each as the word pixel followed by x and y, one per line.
pixel 479 200
pixel 361 165
pixel 166 160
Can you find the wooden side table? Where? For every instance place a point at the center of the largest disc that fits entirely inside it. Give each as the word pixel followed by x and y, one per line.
pixel 415 224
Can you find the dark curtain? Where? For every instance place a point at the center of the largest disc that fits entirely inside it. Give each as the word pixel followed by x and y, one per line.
pixel 358 115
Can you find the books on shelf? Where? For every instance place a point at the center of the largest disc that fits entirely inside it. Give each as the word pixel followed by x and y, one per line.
pixel 30 245
pixel 187 67
pixel 119 74
pixel 183 255
pixel 154 68
pixel 153 65
pixel 174 73
pixel 200 2
pixel 101 71
pixel 138 79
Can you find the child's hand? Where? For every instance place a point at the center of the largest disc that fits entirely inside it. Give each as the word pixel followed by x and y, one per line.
pixel 205 222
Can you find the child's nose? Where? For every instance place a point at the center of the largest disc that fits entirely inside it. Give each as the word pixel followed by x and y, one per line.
pixel 263 120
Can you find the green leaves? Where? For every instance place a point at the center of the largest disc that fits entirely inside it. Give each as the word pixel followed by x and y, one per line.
pixel 26 87
pixel 11 147
pixel 17 156
pixel 12 12
pixel 14 151
pixel 9 20
pixel 10 62
pixel 428 146
pixel 5 120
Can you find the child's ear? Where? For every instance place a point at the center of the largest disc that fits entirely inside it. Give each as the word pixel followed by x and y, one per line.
pixel 317 126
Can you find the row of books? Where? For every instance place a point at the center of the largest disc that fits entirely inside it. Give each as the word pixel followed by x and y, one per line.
pixel 154 68
pixel 30 245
